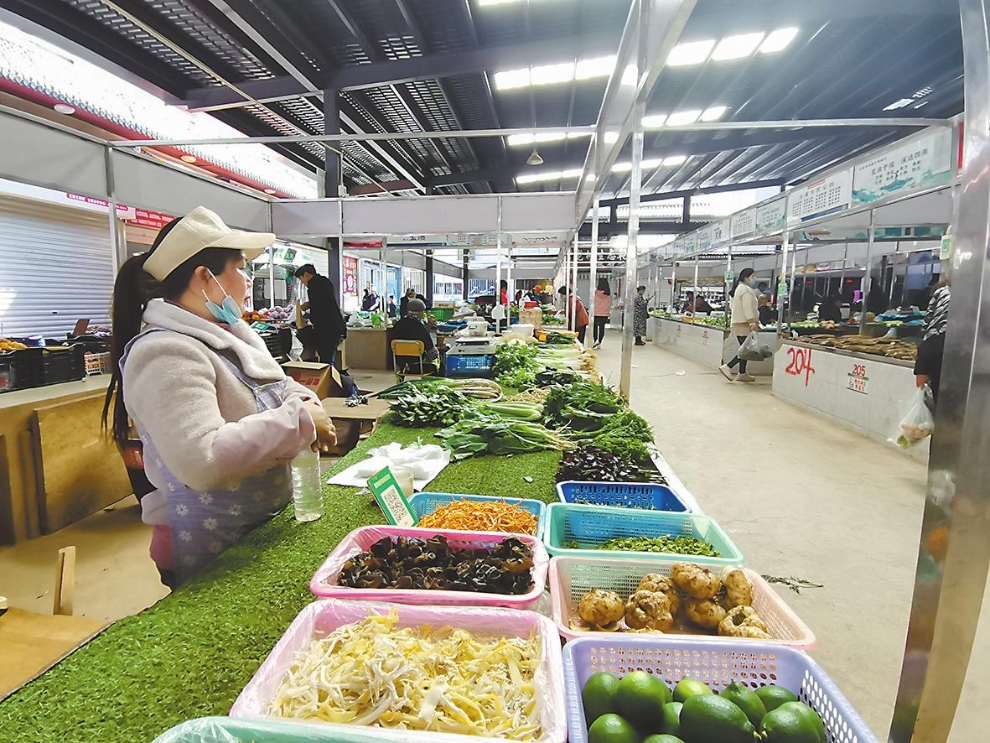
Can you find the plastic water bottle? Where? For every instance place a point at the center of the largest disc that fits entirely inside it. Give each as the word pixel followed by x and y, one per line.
pixel 307 495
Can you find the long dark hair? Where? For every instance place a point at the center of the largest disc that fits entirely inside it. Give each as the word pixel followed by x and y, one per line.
pixel 132 290
pixel 603 286
pixel 743 275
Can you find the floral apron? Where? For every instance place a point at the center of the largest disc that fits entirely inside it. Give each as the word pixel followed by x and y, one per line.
pixel 204 524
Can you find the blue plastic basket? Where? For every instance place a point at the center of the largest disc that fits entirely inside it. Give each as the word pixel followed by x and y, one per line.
pixel 646 496
pixel 590 526
pixel 470 366
pixel 752 663
pixel 424 503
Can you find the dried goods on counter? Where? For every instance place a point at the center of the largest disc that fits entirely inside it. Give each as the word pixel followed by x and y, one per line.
pixel 601 609
pixel 8 345
pixel 466 515
pixel 432 565
pixel 889 347
pixel 743 621
pixel 415 678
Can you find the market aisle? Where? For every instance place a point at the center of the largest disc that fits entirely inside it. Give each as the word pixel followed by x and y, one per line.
pixel 803 497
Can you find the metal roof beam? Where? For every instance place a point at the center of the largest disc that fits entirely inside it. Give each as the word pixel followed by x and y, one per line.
pixel 686 193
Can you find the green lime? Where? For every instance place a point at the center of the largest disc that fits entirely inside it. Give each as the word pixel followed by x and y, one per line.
pixel 774 696
pixel 663 738
pixel 711 719
pixel 611 728
pixel 747 700
pixel 641 698
pixel 813 717
pixel 598 696
pixel 670 720
pixel 785 725
pixel 689 687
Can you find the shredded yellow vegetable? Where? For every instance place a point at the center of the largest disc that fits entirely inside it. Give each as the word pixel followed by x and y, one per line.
pixel 415 678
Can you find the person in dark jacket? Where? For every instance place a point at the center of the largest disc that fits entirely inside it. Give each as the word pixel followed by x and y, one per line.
pixel 324 312
pixel 412 328
pixel 404 302
pixel 831 309
pixel 391 308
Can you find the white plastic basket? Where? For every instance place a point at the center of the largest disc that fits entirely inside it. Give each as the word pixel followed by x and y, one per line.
pixel 572 577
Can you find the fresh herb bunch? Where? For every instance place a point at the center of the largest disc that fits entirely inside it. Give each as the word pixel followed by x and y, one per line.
pixel 515 365
pixel 430 407
pixel 581 406
pixel 558 339
pixel 480 434
pixel 675 545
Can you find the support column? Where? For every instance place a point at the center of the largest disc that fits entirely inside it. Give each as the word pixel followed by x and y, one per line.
pixel 953 550
pixel 334 267
pixel 331 125
pixel 428 290
pixel 782 282
pixel 632 248
pixel 868 279
pixel 593 265
pixel 464 275
pixel 686 213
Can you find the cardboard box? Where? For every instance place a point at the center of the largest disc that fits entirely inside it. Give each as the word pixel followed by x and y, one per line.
pixel 323 379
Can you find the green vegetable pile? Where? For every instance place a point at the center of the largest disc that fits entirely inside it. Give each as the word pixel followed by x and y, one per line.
pixel 593 414
pixel 679 545
pixel 430 407
pixel 516 365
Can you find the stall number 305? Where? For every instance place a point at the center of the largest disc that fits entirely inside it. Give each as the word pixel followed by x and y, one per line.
pixel 800 363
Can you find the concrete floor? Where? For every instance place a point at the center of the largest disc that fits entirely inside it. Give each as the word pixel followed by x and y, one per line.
pixel 800 495
pixel 804 497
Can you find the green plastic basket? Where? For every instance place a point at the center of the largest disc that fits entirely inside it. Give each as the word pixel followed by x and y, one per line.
pixel 590 526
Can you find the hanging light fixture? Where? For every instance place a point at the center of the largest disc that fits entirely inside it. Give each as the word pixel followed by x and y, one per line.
pixel 534 158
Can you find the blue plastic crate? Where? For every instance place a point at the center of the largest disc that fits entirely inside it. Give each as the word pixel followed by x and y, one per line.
pixel 643 495
pixel 470 366
pixel 590 526
pixel 425 503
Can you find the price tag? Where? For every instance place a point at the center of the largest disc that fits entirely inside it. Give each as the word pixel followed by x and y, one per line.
pixel 945 249
pixel 782 290
pixel 729 276
pixel 390 499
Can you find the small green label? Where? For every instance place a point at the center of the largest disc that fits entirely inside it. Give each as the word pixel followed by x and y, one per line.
pixel 729 276
pixel 391 499
pixel 945 250
pixel 782 290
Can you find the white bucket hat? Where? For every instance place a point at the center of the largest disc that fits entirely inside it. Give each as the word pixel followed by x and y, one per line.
pixel 198 230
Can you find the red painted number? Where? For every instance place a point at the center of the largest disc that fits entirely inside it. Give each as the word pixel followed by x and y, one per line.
pixel 859 370
pixel 800 363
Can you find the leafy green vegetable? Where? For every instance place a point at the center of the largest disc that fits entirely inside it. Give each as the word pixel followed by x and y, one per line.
pixel 581 406
pixel 493 435
pixel 676 545
pixel 430 407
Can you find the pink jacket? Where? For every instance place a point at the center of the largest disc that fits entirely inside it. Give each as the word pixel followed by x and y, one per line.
pixel 603 303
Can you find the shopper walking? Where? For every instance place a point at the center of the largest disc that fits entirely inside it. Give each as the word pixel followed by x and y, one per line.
pixel 602 309
pixel 324 312
pixel 641 312
pixel 928 365
pixel 218 420
pixel 745 318
pixel 578 312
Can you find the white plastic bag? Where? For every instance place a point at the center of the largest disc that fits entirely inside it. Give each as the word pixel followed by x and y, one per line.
pixel 750 348
pixel 918 423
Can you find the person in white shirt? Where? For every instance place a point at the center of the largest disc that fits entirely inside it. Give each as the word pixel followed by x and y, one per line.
pixel 745 313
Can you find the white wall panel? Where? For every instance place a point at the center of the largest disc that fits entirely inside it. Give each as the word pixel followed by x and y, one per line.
pixel 33 153
pixel 301 218
pixel 532 212
pixel 425 215
pixel 144 183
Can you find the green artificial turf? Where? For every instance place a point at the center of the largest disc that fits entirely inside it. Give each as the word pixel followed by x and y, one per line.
pixel 192 653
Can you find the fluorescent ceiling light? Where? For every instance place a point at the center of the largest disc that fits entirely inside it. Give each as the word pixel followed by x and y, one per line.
pixel 622 167
pixel 922 93
pixel 737 47
pixel 524 140
pixel 554 74
pixel 611 137
pixel 652 164
pixel 654 121
pixel 692 52
pixel 188 158
pixel 899 104
pixel 681 118
pixel 547 175
pixel 573 173
pixel 64 108
pixel 778 40
pixel 714 113
pixel 586 69
pixel 674 160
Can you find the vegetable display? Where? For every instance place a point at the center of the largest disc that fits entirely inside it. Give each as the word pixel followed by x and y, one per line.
pixel 429 407
pixel 590 463
pixel 432 565
pixel 481 389
pixel 481 516
pixel 373 673
pixel 476 435
pixel 691 599
pixel 641 707
pixel 680 545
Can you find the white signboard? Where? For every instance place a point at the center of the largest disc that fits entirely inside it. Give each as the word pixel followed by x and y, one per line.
pixel 920 163
pixel 826 196
pixel 705 237
pixel 771 217
pixel 744 223
pixel 721 232
pixel 691 242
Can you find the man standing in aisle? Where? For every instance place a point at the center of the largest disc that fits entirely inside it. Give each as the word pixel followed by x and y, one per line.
pixel 324 312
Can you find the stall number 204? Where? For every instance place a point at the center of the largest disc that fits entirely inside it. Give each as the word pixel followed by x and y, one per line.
pixel 800 363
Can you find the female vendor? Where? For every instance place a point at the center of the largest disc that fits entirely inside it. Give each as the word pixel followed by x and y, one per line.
pixel 217 417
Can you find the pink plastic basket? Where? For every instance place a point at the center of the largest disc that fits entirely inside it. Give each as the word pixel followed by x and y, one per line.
pixel 717 664
pixel 572 577
pixel 322 617
pixel 324 582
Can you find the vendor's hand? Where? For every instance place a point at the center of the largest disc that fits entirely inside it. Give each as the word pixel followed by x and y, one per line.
pixel 326 436
pixel 754 326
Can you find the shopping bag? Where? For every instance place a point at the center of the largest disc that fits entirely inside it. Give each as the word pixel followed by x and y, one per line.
pixel 918 422
pixel 750 349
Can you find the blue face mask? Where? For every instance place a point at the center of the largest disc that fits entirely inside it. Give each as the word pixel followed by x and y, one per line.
pixel 227 312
